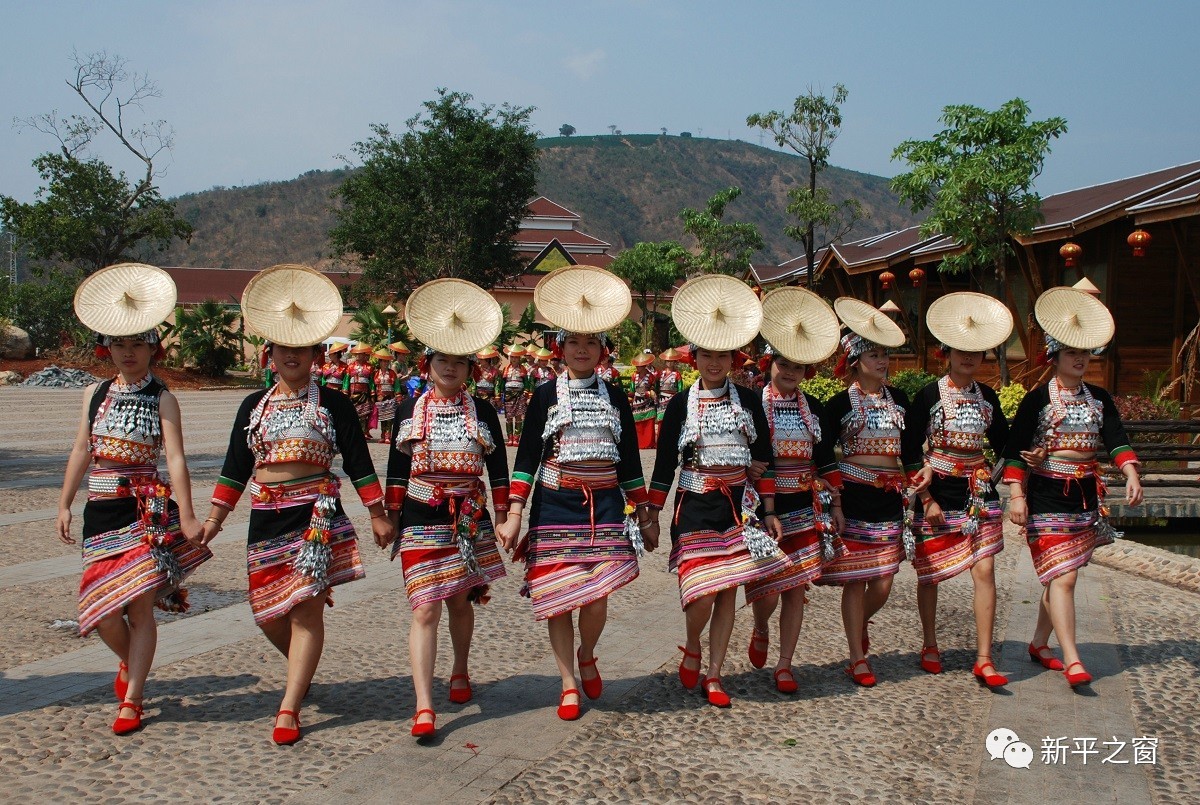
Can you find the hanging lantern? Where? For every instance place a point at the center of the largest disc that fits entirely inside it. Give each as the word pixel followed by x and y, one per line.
pixel 1139 239
pixel 887 278
pixel 1070 253
pixel 916 275
pixel 757 291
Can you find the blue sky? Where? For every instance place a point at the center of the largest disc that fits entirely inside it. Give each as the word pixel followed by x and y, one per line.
pixel 260 91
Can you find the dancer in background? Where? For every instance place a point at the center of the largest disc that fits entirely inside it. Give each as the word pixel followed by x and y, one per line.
pixel 643 396
pixel 516 391
pixel 359 385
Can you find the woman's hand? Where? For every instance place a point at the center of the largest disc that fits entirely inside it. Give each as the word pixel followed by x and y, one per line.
pixel 383 530
pixel 924 478
pixel 208 531
pixel 508 531
pixel 192 530
pixel 756 470
pixel 774 527
pixel 839 520
pixel 1034 458
pixel 933 513
pixel 62 525
pixel 650 534
pixel 1133 489
pixel 1018 512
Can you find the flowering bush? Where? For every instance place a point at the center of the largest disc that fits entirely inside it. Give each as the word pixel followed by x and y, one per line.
pixel 823 386
pixel 1010 397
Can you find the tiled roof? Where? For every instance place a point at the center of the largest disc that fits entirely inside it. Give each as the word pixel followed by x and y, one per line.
pixel 197 284
pixel 543 207
pixel 536 239
pixel 1182 201
pixel 881 250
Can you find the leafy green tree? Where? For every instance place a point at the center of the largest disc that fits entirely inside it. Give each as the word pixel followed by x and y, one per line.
pixel 42 308
pixel 370 325
pixel 810 130
pixel 87 214
pixel 976 179
pixel 206 336
pixel 443 199
pixel 651 269
pixel 725 248
pixel 566 130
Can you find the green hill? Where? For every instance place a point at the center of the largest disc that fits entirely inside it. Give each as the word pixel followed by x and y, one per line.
pixel 627 188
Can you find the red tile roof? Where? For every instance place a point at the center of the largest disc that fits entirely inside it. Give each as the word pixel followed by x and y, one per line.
pixel 197 284
pixel 542 207
pixel 537 239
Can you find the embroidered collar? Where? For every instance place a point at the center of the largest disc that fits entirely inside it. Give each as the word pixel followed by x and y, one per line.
pixel 771 399
pixel 131 388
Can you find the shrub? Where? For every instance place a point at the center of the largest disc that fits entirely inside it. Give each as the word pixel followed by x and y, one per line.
pixel 206 337
pixel 910 381
pixel 1133 407
pixel 823 386
pixel 1010 397
pixel 42 308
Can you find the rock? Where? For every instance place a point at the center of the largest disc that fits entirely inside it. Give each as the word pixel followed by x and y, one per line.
pixel 15 344
pixel 10 378
pixel 54 377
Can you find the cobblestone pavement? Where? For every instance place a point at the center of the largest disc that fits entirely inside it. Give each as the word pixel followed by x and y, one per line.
pixel 216 683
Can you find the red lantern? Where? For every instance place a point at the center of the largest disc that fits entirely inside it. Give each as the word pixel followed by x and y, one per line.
pixel 1070 253
pixel 916 275
pixel 887 278
pixel 1139 240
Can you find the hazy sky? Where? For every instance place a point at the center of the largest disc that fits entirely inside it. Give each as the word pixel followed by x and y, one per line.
pixel 262 91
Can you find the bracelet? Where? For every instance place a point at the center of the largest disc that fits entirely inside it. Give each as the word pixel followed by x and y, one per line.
pixel 383 516
pixel 1016 497
pixel 214 520
pixel 770 514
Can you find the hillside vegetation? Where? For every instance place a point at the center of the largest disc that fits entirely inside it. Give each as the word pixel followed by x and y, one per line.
pixel 627 188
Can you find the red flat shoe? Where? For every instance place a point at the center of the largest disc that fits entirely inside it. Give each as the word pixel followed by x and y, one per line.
pixel 121 686
pixel 592 687
pixel 688 677
pixel 424 729
pixel 788 684
pixel 124 726
pixel 1050 663
pixel 866 644
pixel 568 712
pixel 929 666
pixel 758 657
pixel 716 696
pixel 286 736
pixel 1077 678
pixel 864 678
pixel 992 680
pixel 460 695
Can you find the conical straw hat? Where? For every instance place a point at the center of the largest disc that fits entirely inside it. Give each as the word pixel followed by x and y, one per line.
pixel 291 305
pixel 800 325
pixel 644 359
pixel 399 348
pixel 583 299
pixel 968 321
pixel 867 322
pixel 125 299
pixel 486 353
pixel 1074 318
pixel 716 312
pixel 672 354
pixel 453 316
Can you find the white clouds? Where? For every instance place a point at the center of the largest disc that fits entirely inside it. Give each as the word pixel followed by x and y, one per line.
pixel 585 65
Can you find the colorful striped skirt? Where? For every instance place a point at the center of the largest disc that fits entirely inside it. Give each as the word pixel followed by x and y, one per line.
pixel 708 548
pixel 802 544
pixel 281 518
pixel 515 402
pixel 386 409
pixel 942 552
pixel 645 419
pixel 120 561
pixel 444 549
pixel 578 549
pixel 873 505
pixel 1064 525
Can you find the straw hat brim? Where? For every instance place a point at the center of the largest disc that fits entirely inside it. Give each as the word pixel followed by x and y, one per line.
pixel 868 322
pixel 487 353
pixel 969 321
pixel 292 305
pixel 800 325
pixel 399 348
pixel 643 360
pixel 716 312
pixel 583 299
pixel 1074 318
pixel 125 299
pixel 672 354
pixel 453 316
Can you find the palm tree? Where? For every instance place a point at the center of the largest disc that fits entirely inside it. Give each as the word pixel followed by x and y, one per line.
pixel 206 336
pixel 371 325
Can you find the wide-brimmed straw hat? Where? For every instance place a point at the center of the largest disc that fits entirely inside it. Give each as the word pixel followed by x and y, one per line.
pixel 583 299
pixel 514 350
pixel 799 325
pixel 125 299
pixel 341 346
pixel 868 323
pixel 291 305
pixel 487 353
pixel 672 354
pixel 453 316
pixel 969 321
pixel 716 312
pixel 644 359
pixel 399 348
pixel 1074 318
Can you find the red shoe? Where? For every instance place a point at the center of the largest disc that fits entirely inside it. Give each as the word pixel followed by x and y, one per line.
pixel 688 677
pixel 866 644
pixel 1050 663
pixel 929 666
pixel 716 696
pixel 865 677
pixel 121 686
pixel 758 657
pixel 460 695
pixel 1077 678
pixel 992 680
pixel 592 687
pixel 124 726
pixel 788 684
pixel 424 729
pixel 568 712
pixel 286 736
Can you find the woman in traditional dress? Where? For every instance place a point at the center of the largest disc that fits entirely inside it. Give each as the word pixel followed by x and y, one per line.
pixel 541 372
pixel 719 433
pixel 1060 503
pixel 643 396
pixel 957 522
pixel 488 374
pixel 359 384
pixel 670 383
pixel 435 493
pixel 386 381
pixel 516 391
pixel 579 458
pixel 867 419
pixel 802 330
pixel 334 369
pixel 282 446
pixel 134 549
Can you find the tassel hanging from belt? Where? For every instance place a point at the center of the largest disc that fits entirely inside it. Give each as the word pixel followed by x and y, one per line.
pixel 465 512
pixel 831 546
pixel 977 489
pixel 155 516
pixel 758 542
pixel 316 554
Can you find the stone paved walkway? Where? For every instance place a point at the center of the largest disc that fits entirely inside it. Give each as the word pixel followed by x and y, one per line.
pixel 216 683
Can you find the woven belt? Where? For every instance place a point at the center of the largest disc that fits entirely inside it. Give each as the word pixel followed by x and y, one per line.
pixel 264 496
pixel 567 476
pixel 946 464
pixel 700 481
pixel 105 482
pixel 795 478
pixel 892 480
pixel 1066 469
pixel 435 492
